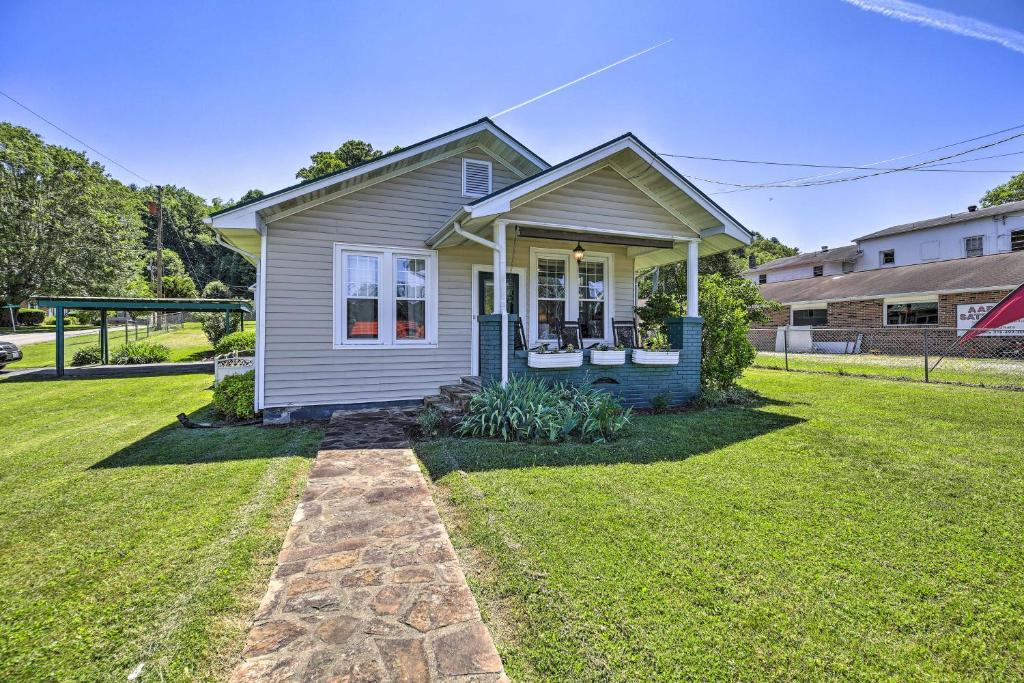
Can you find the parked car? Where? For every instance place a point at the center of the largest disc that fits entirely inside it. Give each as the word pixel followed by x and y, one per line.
pixel 8 353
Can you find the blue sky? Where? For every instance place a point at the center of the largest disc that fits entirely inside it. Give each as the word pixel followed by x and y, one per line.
pixel 222 97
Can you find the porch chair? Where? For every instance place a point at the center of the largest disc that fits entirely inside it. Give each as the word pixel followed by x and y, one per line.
pixel 519 337
pixel 569 334
pixel 624 332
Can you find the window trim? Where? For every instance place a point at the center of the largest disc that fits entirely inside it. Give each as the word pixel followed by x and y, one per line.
pixel 808 307
pixel 881 257
pixel 490 176
pixel 572 311
pixel 1019 231
pixel 762 279
pixel 968 238
pixel 386 297
pixel 818 271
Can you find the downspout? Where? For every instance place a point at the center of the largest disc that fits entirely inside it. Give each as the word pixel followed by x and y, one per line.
pixel 499 267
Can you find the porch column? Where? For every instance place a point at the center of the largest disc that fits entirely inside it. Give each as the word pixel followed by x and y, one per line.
pixel 500 305
pixel 692 265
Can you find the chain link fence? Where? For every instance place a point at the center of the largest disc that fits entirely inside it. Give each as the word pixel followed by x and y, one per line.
pixel 933 354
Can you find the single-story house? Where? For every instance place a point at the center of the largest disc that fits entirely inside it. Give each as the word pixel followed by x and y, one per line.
pixel 375 284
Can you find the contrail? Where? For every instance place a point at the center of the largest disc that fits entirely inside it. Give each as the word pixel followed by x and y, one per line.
pixel 581 78
pixel 944 21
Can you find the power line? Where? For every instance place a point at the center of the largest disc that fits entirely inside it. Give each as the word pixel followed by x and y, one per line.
pixel 884 161
pixel 841 166
pixel 77 139
pixel 833 181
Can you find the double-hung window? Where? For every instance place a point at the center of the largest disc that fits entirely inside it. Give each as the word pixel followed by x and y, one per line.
pixel 974 246
pixel 565 290
pixel 384 297
pixel 552 294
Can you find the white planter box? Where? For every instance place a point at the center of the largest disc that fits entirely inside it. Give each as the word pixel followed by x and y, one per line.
pixel 606 358
pixel 555 360
pixel 641 357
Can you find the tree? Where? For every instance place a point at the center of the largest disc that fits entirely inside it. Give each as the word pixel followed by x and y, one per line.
pixel 173 265
pixel 179 287
pixel 251 195
pixel 1010 191
pixel 215 289
pixel 65 226
pixel 350 153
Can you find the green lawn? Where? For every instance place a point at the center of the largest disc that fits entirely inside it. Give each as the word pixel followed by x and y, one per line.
pixel 845 528
pixel 993 372
pixel 125 538
pixel 186 344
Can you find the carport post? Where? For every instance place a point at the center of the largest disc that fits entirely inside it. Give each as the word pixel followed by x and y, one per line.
pixel 60 341
pixel 104 345
pixel 227 321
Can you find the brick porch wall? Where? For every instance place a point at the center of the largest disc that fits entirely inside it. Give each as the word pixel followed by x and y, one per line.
pixel 634 385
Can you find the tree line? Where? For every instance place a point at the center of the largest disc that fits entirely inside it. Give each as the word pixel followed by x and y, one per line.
pixel 68 228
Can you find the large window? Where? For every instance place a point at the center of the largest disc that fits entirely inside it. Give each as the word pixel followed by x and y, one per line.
pixel 815 317
pixel 912 313
pixel 384 297
pixel 564 290
pixel 551 295
pixel 974 246
pixel 887 257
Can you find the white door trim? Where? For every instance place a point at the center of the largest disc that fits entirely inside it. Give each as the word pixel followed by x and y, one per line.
pixel 474 350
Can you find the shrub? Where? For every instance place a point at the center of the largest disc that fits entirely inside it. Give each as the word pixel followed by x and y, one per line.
pixel 234 397
pixel 68 320
pixel 31 316
pixel 215 289
pixel 87 355
pixel 236 341
pixel 430 421
pixel 660 402
pixel 136 353
pixel 213 325
pixel 88 317
pixel 526 409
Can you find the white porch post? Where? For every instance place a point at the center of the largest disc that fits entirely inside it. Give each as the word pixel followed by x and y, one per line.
pixel 500 305
pixel 692 264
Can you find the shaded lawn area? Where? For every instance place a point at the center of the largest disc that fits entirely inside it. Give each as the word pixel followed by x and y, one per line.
pixel 991 372
pixel 186 344
pixel 126 538
pixel 845 528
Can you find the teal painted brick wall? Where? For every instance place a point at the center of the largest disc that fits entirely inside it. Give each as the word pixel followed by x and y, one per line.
pixel 634 385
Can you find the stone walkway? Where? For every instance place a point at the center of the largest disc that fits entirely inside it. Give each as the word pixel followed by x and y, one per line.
pixel 368 586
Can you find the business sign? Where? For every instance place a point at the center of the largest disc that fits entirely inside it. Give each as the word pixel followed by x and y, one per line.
pixel 968 314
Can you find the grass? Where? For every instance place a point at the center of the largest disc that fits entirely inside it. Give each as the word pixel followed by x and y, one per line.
pixel 844 528
pixel 127 539
pixel 186 344
pixel 992 372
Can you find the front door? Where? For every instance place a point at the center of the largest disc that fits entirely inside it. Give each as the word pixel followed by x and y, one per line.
pixel 485 297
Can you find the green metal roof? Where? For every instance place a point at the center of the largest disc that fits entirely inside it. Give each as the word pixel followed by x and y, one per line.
pixel 139 304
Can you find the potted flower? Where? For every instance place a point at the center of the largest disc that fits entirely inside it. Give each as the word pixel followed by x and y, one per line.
pixel 544 357
pixel 606 355
pixel 656 351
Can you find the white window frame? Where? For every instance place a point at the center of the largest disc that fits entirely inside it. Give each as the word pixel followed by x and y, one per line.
pixel 974 237
pixel 572 304
pixel 386 298
pixel 881 258
pixel 808 307
pixel 490 176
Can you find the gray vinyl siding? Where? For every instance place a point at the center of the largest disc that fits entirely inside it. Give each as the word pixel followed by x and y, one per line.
pixel 301 365
pixel 603 199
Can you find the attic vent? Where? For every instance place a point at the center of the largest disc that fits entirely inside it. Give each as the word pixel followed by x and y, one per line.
pixel 476 178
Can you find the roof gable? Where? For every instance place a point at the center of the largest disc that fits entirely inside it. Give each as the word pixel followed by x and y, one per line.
pixel 483 133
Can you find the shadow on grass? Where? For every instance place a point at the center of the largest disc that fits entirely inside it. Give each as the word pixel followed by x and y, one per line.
pixel 176 445
pixel 651 438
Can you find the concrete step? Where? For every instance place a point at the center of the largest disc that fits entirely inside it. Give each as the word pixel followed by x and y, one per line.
pixel 473 381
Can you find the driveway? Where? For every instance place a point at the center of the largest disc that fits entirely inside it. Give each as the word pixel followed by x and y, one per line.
pixel 37 337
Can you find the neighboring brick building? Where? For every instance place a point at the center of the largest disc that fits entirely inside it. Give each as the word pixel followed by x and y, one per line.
pixel 939 274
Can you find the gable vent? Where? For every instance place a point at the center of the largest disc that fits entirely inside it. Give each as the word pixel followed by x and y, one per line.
pixel 476 178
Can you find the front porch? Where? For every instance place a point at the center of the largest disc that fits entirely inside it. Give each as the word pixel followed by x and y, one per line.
pixel 634 384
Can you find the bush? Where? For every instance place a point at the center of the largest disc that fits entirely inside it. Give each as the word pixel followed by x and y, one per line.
pixel 527 409
pixel 68 320
pixel 179 287
pixel 236 341
pixel 139 352
pixel 234 397
pixel 88 317
pixel 215 289
pixel 660 402
pixel 213 325
pixel 31 316
pixel 430 422
pixel 87 355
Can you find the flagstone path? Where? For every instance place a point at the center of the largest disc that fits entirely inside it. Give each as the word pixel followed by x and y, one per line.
pixel 367 585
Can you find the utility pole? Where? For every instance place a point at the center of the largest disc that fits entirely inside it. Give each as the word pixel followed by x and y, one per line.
pixel 160 242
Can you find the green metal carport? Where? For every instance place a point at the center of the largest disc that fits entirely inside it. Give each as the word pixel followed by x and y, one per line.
pixel 104 304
